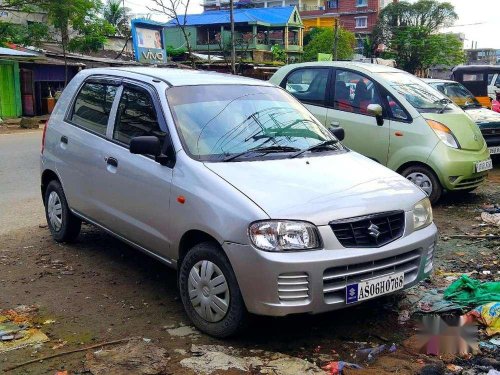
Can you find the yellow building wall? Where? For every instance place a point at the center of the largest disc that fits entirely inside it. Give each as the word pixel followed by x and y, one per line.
pixel 318 22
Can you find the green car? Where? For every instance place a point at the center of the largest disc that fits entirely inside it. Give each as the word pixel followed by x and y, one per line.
pixel 396 119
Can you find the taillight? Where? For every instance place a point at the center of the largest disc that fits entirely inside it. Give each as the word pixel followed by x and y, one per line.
pixel 43 135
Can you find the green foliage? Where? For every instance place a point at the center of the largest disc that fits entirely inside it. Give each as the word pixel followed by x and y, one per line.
pixel 322 39
pixel 116 15
pixel 279 53
pixel 409 30
pixel 175 52
pixel 26 35
pixel 91 36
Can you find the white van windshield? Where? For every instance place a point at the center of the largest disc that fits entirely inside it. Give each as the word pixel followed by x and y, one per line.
pixel 418 93
pixel 217 122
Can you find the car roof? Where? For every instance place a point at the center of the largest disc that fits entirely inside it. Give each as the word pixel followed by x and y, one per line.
pixel 362 66
pixel 182 77
pixel 436 80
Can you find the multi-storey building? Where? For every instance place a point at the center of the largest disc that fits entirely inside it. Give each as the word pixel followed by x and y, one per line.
pixel 357 16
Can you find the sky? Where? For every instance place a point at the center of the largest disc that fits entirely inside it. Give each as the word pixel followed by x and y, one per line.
pixel 479 20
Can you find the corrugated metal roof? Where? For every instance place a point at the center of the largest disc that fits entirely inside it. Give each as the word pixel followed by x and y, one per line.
pixel 273 16
pixel 15 53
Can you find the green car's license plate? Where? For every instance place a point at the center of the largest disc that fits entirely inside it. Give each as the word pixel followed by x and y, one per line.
pixel 374 287
pixel 482 166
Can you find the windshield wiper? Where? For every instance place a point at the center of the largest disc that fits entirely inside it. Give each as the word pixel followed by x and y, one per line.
pixel 265 150
pixel 444 102
pixel 316 147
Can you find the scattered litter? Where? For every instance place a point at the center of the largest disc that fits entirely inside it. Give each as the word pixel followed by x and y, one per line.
pixel 336 367
pixel 428 301
pixel 470 292
pixel 182 331
pixel 369 354
pixel 403 316
pixel 49 321
pixel 489 316
pixel 146 339
pixel 17 330
pixel 454 368
pixel 137 357
pixel 491 218
pixel 493 372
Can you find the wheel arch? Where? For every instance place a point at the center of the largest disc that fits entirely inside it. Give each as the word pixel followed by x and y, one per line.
pixel 191 238
pixel 47 176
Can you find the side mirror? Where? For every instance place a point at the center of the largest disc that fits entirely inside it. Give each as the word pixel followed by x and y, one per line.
pixel 376 110
pixel 145 145
pixel 338 132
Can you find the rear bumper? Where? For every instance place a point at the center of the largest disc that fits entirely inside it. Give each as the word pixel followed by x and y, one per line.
pixel 455 167
pixel 319 277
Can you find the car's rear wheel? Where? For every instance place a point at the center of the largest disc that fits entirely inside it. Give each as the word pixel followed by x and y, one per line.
pixel 210 293
pixel 63 225
pixel 424 178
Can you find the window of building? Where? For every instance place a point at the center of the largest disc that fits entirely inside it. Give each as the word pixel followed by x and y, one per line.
pixel 361 22
pixel 92 107
pixel 354 92
pixel 361 3
pixel 332 4
pixel 308 85
pixel 136 116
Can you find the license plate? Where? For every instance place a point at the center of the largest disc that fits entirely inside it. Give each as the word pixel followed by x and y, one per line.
pixel 481 166
pixel 494 150
pixel 374 287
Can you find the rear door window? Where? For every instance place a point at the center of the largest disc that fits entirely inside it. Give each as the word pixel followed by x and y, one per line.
pixel 136 116
pixel 92 107
pixel 308 85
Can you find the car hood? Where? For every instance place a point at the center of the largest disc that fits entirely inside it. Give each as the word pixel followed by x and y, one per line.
pixel 463 127
pixel 484 118
pixel 320 188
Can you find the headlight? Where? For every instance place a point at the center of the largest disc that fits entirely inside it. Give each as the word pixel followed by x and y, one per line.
pixel 282 235
pixel 422 214
pixel 444 133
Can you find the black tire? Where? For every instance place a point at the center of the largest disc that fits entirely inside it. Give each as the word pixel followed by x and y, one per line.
pixel 437 189
pixel 236 316
pixel 70 224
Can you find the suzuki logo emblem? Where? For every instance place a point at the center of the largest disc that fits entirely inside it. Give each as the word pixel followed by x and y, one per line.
pixel 374 231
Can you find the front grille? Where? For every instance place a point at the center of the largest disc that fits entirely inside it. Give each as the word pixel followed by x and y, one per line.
pixel 369 231
pixel 470 182
pixel 293 287
pixel 336 279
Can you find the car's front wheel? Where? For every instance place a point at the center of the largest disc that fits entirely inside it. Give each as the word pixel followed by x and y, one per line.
pixel 63 225
pixel 209 291
pixel 425 179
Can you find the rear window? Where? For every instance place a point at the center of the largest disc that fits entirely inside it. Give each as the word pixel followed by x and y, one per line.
pixel 92 107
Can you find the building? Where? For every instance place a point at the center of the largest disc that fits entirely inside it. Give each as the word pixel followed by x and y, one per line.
pixel 16 16
pixel 357 16
pixel 483 56
pixel 257 30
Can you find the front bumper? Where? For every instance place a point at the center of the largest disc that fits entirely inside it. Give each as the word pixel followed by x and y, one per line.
pixel 455 167
pixel 279 284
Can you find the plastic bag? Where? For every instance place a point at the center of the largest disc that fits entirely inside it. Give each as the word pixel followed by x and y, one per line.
pixel 470 292
pixel 488 315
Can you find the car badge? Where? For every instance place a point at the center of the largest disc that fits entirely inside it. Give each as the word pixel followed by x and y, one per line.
pixel 374 231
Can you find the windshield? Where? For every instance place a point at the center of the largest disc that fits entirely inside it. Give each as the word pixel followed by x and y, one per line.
pixel 216 122
pixel 458 93
pixel 418 93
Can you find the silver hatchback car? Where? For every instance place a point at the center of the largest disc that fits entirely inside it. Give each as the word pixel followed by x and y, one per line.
pixel 232 182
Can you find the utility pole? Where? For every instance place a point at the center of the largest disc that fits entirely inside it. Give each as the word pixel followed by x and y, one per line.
pixel 335 39
pixel 233 50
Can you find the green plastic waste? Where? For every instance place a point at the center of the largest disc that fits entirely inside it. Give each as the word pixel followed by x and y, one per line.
pixel 469 292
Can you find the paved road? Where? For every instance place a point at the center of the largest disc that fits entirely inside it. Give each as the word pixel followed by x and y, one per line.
pixel 20 202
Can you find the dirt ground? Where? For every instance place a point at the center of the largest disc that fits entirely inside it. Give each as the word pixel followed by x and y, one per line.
pixel 99 290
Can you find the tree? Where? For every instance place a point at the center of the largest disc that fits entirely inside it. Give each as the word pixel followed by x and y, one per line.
pixel 177 11
pixel 116 15
pixel 32 34
pixel 72 19
pixel 320 40
pixel 410 31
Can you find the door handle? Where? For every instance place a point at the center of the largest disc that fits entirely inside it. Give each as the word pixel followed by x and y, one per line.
pixel 335 124
pixel 112 161
pixel 64 139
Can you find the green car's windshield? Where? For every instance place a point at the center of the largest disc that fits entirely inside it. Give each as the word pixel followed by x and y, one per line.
pixel 458 93
pixel 418 93
pixel 226 122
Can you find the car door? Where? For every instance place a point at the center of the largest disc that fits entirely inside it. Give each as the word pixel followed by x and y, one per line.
pixel 81 140
pixel 135 189
pixel 351 93
pixel 309 85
